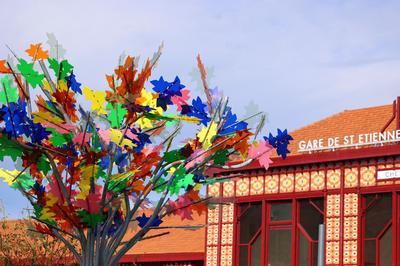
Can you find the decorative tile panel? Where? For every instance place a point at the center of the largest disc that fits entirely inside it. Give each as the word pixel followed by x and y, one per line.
pixel 228 189
pixel 257 185
pixel 227 234
pixel 286 183
pixel 271 184
pixel 332 229
pixel 302 181
pixel 350 252
pixel 332 253
pixel 351 177
pixel 226 255
pixel 243 187
pixel 333 178
pixel 213 215
pixel 212 235
pixel 214 190
pixel 367 176
pixel 212 256
pixel 227 213
pixel 317 180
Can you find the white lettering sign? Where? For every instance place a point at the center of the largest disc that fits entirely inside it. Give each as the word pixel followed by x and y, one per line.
pixel 373 138
pixel 388 174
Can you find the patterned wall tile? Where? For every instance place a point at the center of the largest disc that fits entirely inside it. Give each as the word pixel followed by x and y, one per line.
pixel 367 176
pixel 271 184
pixel 257 185
pixel 350 227
pixel 243 187
pixel 212 256
pixel 213 215
pixel 214 190
pixel 350 252
pixel 226 256
pixel 317 180
pixel 350 204
pixel 227 213
pixel 351 177
pixel 227 234
pixel 333 178
pixel 212 234
pixel 228 189
pixel 332 253
pixel 286 183
pixel 302 181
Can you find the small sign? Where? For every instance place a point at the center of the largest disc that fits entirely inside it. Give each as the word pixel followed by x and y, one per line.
pixel 388 174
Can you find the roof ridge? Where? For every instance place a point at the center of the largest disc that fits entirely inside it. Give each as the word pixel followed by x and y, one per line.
pixel 337 114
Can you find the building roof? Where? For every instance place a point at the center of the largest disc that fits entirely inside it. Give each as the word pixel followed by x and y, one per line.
pixel 177 241
pixel 348 122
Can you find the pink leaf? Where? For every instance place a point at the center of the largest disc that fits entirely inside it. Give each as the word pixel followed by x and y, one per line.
pixel 181 100
pixel 62 128
pixel 261 151
pixel 82 137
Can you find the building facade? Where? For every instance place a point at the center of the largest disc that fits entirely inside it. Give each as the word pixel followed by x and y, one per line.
pixel 344 174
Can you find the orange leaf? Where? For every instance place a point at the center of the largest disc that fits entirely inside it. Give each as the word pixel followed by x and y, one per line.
pixel 36 52
pixel 3 68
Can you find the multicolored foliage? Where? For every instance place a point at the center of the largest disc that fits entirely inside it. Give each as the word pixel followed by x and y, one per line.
pixel 90 158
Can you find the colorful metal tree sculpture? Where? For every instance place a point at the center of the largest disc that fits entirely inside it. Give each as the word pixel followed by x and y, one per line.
pixel 88 172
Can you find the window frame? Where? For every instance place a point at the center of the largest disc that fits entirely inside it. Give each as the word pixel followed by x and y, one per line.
pixel 266 223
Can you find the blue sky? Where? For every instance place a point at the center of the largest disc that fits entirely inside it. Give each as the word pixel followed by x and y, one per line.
pixel 297 60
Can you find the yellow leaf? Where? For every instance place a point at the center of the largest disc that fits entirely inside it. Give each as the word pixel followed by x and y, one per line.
pixel 84 184
pixel 147 99
pixel 206 135
pixel 121 176
pixel 8 175
pixel 144 123
pixel 62 85
pixel 40 117
pixel 116 137
pixel 98 99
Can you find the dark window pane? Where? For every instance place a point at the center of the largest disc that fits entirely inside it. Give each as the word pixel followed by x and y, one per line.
pixel 303 251
pixel 250 222
pixel 369 253
pixel 315 254
pixel 378 215
pixel 310 218
pixel 385 248
pixel 279 247
pixel 319 202
pixel 243 256
pixel 281 211
pixel 256 252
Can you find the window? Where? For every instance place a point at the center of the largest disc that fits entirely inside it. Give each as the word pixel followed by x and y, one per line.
pixel 286 234
pixel 311 216
pixel 377 228
pixel 250 220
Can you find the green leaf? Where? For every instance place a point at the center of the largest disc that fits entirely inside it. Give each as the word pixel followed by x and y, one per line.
pixel 66 68
pixel 172 156
pixel 37 210
pixel 8 93
pixel 160 185
pixel 9 148
pixel 91 219
pixel 32 76
pixel 117 114
pixel 187 181
pixel 58 139
pixel 220 157
pixel 43 165
pixel 25 181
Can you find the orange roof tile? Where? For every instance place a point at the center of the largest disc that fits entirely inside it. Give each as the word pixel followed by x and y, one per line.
pixel 177 241
pixel 348 122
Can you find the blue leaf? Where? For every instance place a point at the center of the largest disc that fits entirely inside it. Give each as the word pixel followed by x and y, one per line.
pixel 73 84
pixel 144 219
